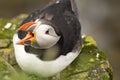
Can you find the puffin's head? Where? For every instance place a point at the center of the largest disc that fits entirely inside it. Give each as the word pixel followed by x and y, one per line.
pixel 41 35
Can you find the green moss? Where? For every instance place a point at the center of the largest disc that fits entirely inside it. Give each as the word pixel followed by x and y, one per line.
pixel 88 40
pixel 91 64
pixel 8 27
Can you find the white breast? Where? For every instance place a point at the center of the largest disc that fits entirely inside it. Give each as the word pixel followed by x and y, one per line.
pixel 30 63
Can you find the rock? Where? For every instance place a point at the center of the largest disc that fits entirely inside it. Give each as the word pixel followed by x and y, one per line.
pixel 4 43
pixel 6 68
pixel 91 64
pixel 8 55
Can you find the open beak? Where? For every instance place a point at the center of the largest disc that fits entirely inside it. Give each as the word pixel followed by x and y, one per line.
pixel 30 37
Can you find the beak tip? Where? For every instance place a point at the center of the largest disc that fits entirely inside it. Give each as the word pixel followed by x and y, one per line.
pixel 19 43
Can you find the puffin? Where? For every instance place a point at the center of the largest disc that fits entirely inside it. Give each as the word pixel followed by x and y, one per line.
pixel 48 40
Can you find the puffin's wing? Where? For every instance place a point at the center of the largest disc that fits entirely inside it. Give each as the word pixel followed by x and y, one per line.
pixel 75 7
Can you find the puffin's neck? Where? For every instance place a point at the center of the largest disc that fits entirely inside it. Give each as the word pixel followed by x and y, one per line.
pixel 51 53
pixel 44 54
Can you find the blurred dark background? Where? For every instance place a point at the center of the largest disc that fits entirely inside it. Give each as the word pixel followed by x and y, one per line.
pixel 99 18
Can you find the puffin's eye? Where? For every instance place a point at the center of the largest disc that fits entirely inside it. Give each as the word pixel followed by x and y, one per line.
pixel 47 32
pixel 50 32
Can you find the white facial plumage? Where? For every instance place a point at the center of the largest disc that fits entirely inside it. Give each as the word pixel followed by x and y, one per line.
pixel 46 36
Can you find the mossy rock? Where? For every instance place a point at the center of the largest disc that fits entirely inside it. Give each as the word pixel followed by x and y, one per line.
pixel 91 64
pixel 8 27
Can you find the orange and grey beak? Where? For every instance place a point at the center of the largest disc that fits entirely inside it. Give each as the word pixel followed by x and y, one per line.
pixel 30 37
pixel 26 25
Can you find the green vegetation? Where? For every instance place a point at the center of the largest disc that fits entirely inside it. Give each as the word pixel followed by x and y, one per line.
pixel 91 64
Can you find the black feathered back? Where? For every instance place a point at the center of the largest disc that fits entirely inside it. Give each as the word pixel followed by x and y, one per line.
pixel 63 19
